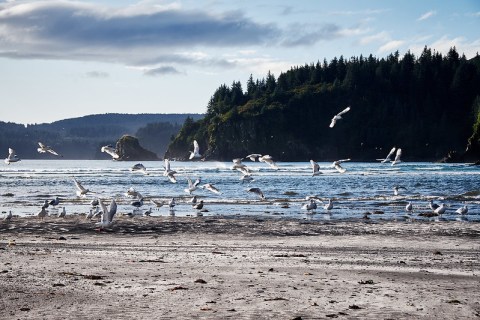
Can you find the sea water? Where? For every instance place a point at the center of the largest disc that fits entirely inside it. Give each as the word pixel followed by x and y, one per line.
pixel 364 188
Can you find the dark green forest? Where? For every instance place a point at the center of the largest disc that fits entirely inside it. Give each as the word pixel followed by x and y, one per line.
pixel 82 138
pixel 426 105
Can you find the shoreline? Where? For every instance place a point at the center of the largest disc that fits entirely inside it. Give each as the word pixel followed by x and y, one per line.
pixel 239 268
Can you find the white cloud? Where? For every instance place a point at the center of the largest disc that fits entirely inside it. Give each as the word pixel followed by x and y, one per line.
pixel 391 46
pixel 427 15
pixel 378 37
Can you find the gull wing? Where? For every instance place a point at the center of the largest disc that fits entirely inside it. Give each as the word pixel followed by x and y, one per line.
pixel 315 167
pixel 11 153
pixel 340 168
pixel 104 211
pixel 196 147
pixel 398 155
pixel 389 156
pixel 344 111
pixel 112 211
pixel 167 166
pixel 79 186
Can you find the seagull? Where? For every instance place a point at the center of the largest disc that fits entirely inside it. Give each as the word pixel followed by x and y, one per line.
pixel 81 191
pixel 198 206
pixel 172 204
pixel 461 210
pixel 396 190
pixel 329 205
pixel 111 151
pixel 43 149
pixel 193 200
pixel 238 165
pixel 169 173
pixel 63 213
pixel 42 214
pixel 94 203
pixel 433 205
pixel 315 168
pixel 137 203
pixel 45 204
pixel 90 214
pixel 8 216
pixel 311 206
pixel 158 204
pixel 211 187
pixel 55 202
pixel 192 186
pixel 409 207
pixel 139 168
pixel 253 156
pixel 107 215
pixel 246 178
pixel 12 157
pixel 258 192
pixel 336 165
pixel 132 193
pixel 338 116
pixel 389 156
pixel 397 157
pixel 268 160
pixel 441 209
pixel 196 151
pixel 148 212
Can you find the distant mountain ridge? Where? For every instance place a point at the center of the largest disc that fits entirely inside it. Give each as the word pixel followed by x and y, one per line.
pixel 82 137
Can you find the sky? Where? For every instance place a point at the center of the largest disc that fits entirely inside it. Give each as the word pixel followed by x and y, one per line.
pixel 62 59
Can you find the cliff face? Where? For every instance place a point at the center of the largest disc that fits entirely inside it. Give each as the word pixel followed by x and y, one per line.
pixel 129 149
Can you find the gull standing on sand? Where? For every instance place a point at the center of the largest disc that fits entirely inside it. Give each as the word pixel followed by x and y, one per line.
pixel 55 202
pixel 268 160
pixel 42 214
pixel 462 210
pixel 63 213
pixel 169 173
pixel 258 192
pixel 107 214
pixel 211 187
pixel 397 157
pixel 12 157
pixel 192 186
pixel 8 216
pixel 329 205
pixel 44 148
pixel 315 168
pixel 196 151
pixel 111 151
pixel 172 204
pixel 81 191
pixel 198 206
pixel 336 165
pixel 433 205
pixel 338 116
pixel 158 204
pixel 441 209
pixel 409 207
pixel 311 206
pixel 389 156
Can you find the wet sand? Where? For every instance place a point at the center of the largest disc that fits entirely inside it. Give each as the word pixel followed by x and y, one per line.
pixel 238 268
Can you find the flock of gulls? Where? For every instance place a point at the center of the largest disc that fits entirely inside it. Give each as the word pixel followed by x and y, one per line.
pixel 106 214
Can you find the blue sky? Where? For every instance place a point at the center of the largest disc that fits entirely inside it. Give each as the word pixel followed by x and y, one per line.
pixel 64 59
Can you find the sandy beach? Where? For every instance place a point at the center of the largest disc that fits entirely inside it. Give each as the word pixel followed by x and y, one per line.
pixel 238 268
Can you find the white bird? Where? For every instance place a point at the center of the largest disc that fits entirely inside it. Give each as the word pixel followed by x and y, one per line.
pixel 198 206
pixel 193 200
pixel 462 210
pixel 196 151
pixel 258 192
pixel 397 157
pixel 139 168
pixel 433 205
pixel 315 168
pixel 311 206
pixel 338 116
pixel 441 209
pixel 211 187
pixel 238 165
pixel 111 151
pixel 246 178
pixel 42 214
pixel 268 160
pixel 409 207
pixel 396 190
pixel 172 203
pixel 329 205
pixel 12 157
pixel 253 156
pixel 132 193
pixel 81 191
pixel 44 148
pixel 169 173
pixel 108 214
pixel 63 213
pixel 336 165
pixel 389 156
pixel 8 216
pixel 158 204
pixel 192 186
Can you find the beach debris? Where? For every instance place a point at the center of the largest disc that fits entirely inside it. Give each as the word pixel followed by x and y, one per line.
pixel 366 282
pixel 354 307
pixel 200 281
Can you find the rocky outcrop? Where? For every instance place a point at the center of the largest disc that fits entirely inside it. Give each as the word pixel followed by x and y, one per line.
pixel 129 149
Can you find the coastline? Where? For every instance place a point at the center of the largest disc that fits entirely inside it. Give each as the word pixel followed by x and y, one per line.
pixel 239 268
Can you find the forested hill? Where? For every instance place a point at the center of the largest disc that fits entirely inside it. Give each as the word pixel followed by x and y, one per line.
pixel 81 138
pixel 426 105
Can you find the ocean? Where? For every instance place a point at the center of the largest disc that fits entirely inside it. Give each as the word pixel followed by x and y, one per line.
pixel 364 190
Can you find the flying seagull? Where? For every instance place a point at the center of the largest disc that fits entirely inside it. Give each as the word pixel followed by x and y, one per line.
pixel 389 156
pixel 139 168
pixel 44 148
pixel 396 190
pixel 111 151
pixel 268 160
pixel 169 173
pixel 336 165
pixel 107 215
pixel 258 192
pixel 196 151
pixel 12 157
pixel 81 191
pixel 397 157
pixel 253 156
pixel 211 187
pixel 315 168
pixel 192 186
pixel 338 116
